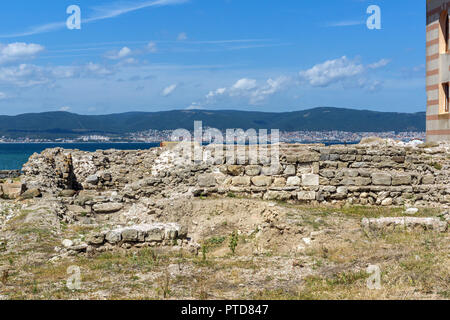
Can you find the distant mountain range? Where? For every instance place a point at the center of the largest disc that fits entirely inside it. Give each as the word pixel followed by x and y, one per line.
pixel 65 124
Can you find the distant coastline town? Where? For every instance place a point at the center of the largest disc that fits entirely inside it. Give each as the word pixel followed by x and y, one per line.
pixel 156 136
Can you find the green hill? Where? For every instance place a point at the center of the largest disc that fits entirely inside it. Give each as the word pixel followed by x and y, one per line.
pixel 65 124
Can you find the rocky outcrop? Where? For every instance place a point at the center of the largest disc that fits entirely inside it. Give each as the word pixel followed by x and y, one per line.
pixel 405 223
pixel 51 171
pixel 155 234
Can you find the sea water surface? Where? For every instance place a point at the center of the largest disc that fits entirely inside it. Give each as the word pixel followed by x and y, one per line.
pixel 14 155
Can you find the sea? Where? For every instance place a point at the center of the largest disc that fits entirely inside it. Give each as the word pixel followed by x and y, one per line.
pixel 14 155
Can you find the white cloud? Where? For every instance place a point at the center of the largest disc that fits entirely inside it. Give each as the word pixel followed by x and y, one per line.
pixel 18 51
pixel 272 86
pixel 169 90
pixel 249 89
pixel 379 64
pixel 152 47
pixel 3 96
pixel 218 92
pixel 244 84
pixel 65 108
pixel 118 9
pixel 94 69
pixel 120 54
pixel 194 106
pixel 24 75
pixel 29 75
pixel 182 36
pixel 322 75
pixel 125 51
pixel 338 70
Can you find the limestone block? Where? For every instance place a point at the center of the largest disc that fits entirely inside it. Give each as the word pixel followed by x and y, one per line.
pixel 381 179
pixel 105 208
pixel 272 170
pixel 293 181
pixel 130 235
pixel 12 190
pixel 310 180
pixel 241 181
pixel 114 236
pixel 235 170
pixel 290 170
pixel 206 180
pixel 279 182
pixel 428 179
pixel 262 181
pixel 31 193
pixel 306 195
pixel 277 195
pixel 252 170
pixel 401 179
pixel 307 157
pixel 155 234
pixel 405 223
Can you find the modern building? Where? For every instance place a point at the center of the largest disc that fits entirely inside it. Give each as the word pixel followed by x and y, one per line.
pixel 438 70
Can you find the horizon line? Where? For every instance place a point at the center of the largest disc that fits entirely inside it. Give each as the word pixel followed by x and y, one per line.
pixel 207 110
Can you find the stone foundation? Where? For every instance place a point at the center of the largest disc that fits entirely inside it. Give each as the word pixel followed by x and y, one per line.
pixel 374 174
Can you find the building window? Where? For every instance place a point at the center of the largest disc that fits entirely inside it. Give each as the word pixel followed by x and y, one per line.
pixel 444 32
pixel 444 96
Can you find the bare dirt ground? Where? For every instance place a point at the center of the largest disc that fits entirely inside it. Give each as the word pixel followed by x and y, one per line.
pixel 281 251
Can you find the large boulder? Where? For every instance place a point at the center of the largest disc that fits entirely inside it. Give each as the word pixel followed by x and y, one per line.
pixel 12 190
pixel 105 208
pixel 31 193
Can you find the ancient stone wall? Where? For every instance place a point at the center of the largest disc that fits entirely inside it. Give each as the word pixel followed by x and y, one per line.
pixel 361 174
pixel 9 174
pixel 378 174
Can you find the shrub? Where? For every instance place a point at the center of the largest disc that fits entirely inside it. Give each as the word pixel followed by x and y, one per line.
pixel 234 239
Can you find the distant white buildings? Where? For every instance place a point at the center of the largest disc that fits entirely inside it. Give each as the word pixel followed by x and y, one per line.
pixel 94 138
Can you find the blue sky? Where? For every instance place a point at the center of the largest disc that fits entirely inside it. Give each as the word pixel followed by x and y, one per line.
pixel 262 55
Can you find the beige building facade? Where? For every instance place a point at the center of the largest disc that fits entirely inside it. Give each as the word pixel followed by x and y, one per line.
pixel 438 70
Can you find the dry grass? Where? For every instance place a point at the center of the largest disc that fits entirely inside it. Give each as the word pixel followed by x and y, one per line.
pixel 413 265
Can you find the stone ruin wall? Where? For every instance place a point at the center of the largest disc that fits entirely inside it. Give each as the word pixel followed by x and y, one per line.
pixel 366 175
pixel 377 174
pixel 360 174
